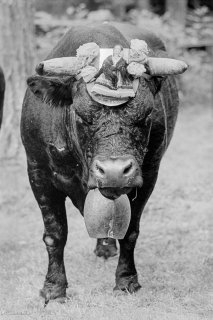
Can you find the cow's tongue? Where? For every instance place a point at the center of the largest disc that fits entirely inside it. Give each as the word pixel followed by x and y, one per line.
pixel 106 218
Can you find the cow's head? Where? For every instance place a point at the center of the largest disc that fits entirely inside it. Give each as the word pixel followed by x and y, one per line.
pixel 112 140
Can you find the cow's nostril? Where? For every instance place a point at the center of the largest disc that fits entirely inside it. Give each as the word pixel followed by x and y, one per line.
pixel 100 169
pixel 115 172
pixel 127 168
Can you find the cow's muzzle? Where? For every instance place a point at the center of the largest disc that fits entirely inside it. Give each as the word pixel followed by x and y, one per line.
pixel 114 176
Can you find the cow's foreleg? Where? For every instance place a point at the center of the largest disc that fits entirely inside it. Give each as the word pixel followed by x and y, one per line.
pixel 52 205
pixel 126 274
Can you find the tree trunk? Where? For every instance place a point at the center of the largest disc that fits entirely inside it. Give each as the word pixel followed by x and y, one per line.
pixel 17 60
pixel 177 10
pixel 92 5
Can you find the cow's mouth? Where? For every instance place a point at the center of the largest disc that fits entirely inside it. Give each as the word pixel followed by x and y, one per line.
pixel 114 176
pixel 114 193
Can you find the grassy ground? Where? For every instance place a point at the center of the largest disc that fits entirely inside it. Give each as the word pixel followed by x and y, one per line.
pixel 174 254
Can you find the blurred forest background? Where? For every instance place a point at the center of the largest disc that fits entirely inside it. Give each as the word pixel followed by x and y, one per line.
pixel 174 253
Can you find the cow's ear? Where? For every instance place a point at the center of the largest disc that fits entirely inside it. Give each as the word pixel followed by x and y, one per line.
pixel 155 83
pixel 56 91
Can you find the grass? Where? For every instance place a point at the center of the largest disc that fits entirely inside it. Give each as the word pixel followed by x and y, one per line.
pixel 174 253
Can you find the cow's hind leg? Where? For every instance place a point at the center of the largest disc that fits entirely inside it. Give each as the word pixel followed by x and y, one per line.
pixel 106 248
pixel 52 205
pixel 126 274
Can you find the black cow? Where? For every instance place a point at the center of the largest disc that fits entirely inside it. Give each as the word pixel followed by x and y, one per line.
pixel 2 90
pixel 74 144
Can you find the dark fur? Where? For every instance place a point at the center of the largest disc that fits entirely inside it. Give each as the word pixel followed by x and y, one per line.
pixel 61 142
pixel 2 90
pixel 56 88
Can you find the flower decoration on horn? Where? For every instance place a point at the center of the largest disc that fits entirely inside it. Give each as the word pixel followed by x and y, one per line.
pixel 137 57
pixel 87 56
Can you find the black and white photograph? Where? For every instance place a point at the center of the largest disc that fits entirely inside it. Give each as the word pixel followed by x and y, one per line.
pixel 106 160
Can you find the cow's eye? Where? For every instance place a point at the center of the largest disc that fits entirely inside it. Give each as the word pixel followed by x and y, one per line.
pixel 155 84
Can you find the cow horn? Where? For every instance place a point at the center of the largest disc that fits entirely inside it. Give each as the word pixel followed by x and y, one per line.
pixel 165 66
pixel 70 66
pixel 59 66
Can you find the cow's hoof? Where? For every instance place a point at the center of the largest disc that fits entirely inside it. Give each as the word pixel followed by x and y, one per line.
pixel 106 248
pixel 53 292
pixel 129 284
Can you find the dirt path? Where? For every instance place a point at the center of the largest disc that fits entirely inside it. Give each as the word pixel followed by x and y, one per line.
pixel 174 253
